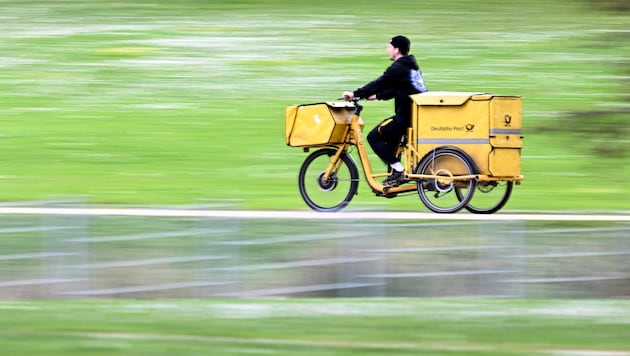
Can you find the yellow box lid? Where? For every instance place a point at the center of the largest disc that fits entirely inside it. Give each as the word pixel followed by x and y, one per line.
pixel 447 97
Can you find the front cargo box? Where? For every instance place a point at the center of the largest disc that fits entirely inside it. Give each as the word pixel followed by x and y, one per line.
pixel 318 124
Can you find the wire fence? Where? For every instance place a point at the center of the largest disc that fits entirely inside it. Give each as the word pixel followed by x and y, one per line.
pixel 72 253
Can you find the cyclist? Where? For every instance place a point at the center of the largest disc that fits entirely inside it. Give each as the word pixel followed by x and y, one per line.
pixel 401 79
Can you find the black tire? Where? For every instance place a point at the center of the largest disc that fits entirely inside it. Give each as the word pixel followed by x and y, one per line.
pixel 439 196
pixel 335 193
pixel 490 197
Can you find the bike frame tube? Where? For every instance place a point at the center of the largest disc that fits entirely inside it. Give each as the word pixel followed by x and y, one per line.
pixel 335 162
pixel 355 137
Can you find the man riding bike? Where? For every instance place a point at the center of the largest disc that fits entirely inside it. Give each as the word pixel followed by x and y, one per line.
pixel 401 79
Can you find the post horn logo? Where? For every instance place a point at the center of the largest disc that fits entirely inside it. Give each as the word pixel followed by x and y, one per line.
pixel 507 119
pixel 469 127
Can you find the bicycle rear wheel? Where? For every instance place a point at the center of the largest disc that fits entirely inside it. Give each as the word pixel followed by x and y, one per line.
pixel 490 197
pixel 446 195
pixel 334 193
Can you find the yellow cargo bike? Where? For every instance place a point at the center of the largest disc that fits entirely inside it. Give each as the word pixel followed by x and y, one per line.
pixel 459 145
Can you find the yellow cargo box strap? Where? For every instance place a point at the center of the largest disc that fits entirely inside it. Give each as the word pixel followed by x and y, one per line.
pixel 506 132
pixel 453 141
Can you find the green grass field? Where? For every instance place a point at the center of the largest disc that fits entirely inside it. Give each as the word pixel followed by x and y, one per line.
pixel 317 327
pixel 161 102
pixel 177 102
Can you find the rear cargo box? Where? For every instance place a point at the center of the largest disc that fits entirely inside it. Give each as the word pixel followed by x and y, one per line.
pixel 318 124
pixel 486 126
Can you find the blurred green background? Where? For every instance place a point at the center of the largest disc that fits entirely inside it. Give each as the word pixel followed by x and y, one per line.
pixel 453 327
pixel 162 102
pixel 156 102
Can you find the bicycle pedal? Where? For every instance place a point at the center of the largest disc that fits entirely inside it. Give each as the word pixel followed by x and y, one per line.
pixel 387 186
pixel 385 194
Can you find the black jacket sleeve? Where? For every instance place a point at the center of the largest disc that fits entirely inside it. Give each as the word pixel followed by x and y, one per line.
pixel 386 94
pixel 381 86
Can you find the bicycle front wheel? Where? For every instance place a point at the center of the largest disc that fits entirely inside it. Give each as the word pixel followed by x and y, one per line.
pixel 330 194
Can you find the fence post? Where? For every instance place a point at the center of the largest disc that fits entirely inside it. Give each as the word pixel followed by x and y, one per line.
pixel 58 233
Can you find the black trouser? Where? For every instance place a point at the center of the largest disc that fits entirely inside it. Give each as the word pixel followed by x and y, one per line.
pixel 385 138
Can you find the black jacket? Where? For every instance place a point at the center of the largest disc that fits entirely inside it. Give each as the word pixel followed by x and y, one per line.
pixel 399 80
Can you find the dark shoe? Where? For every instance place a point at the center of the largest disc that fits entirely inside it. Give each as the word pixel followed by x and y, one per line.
pixel 394 179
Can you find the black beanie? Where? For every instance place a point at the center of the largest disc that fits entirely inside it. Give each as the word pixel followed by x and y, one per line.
pixel 402 43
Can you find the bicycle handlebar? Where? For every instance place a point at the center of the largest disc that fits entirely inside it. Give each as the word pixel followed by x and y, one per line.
pixel 354 100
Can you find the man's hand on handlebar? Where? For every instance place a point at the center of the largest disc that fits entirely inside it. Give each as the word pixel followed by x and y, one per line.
pixel 349 96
